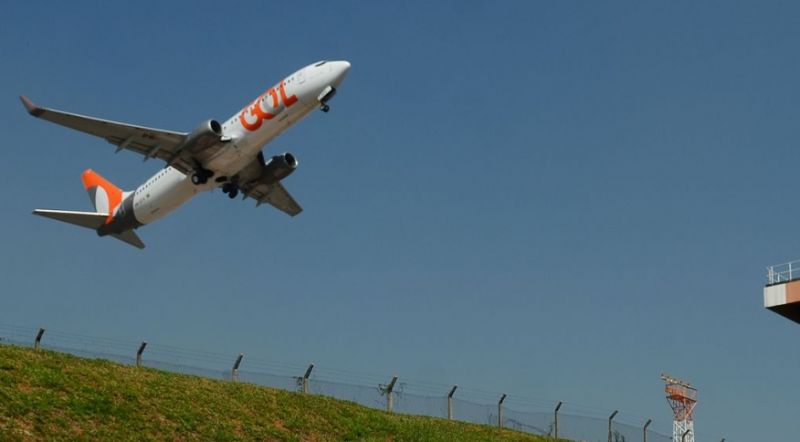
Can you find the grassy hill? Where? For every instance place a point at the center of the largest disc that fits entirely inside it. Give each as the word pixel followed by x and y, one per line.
pixel 54 396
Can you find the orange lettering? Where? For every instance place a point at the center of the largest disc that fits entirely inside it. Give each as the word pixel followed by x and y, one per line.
pixel 257 106
pixel 288 101
pixel 254 110
pixel 247 125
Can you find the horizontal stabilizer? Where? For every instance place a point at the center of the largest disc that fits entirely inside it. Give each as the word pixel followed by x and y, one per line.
pixel 90 220
pixel 130 237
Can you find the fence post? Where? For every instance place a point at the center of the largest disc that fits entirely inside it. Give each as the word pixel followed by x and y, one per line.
pixel 235 369
pixel 500 410
pixel 305 378
pixel 450 402
pixel 609 423
pixel 558 407
pixel 37 342
pixel 388 390
pixel 644 430
pixel 139 354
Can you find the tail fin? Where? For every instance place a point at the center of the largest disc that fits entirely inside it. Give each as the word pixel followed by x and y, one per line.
pixel 104 195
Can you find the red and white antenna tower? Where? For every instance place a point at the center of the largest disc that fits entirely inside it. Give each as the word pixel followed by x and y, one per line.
pixel 682 397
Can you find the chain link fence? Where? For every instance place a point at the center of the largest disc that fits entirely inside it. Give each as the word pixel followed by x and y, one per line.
pixel 414 398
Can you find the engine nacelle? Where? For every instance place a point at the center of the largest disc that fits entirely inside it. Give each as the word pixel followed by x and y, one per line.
pixel 204 136
pixel 278 168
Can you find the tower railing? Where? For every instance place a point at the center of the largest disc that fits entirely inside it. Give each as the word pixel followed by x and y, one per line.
pixel 785 272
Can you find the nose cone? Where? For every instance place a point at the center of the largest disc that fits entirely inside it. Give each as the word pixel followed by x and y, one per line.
pixel 339 69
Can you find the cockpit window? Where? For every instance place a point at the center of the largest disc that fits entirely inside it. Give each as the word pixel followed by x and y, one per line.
pixel 320 63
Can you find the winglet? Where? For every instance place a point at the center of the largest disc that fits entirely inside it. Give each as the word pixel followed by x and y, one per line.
pixel 30 107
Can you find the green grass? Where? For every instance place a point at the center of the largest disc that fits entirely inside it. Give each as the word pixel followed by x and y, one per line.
pixel 54 396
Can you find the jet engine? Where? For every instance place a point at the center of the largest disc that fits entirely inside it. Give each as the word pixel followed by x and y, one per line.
pixel 204 136
pixel 278 168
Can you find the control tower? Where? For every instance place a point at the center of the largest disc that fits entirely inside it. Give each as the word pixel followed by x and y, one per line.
pixel 782 292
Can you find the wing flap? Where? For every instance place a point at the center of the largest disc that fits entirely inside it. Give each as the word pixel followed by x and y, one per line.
pixel 275 195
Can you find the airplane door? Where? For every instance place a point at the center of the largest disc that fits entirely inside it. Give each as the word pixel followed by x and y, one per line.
pixel 301 77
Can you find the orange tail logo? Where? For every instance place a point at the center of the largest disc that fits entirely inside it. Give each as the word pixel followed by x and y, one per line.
pixel 105 196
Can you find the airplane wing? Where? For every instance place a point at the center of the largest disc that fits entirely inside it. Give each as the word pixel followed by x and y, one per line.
pixel 273 193
pixel 152 143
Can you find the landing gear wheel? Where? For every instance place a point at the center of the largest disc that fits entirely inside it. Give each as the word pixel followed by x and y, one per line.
pixel 230 189
pixel 325 108
pixel 201 176
pixel 198 179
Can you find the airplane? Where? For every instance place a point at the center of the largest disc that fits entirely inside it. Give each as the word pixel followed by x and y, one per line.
pixel 227 155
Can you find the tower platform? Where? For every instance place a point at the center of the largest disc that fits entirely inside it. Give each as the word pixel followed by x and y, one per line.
pixel 782 292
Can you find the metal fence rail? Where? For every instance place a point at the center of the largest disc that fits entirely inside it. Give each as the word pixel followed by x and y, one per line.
pixel 415 398
pixel 781 273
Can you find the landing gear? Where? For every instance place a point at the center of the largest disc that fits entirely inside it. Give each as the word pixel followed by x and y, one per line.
pixel 231 189
pixel 201 176
pixel 198 179
pixel 324 96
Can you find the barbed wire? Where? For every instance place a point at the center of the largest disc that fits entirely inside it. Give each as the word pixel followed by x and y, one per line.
pixel 531 414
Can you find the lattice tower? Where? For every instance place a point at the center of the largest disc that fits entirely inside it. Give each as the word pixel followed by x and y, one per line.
pixel 682 398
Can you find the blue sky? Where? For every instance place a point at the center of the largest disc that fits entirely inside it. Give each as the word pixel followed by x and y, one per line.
pixel 560 200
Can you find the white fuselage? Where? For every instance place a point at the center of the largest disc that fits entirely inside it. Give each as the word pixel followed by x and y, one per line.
pixel 248 131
